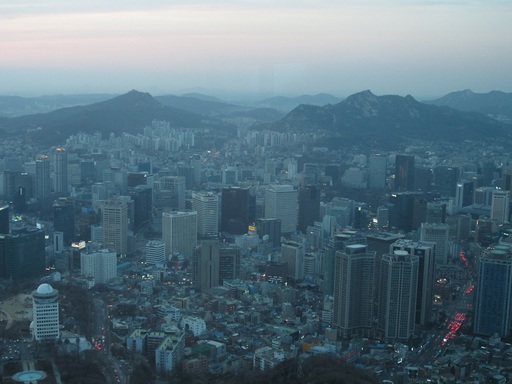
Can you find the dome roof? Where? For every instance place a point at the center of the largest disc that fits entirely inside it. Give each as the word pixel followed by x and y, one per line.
pixel 44 289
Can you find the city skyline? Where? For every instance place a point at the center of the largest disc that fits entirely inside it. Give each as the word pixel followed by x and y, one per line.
pixel 425 48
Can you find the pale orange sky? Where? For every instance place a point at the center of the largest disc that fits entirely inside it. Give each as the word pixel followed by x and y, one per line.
pixel 425 48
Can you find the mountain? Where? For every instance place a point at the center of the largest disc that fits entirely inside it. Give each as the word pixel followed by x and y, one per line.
pixel 286 104
pixel 213 107
pixel 365 118
pixel 126 113
pixel 13 106
pixel 495 103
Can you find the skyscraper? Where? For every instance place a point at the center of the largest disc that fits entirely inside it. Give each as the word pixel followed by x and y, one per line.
pixel 309 206
pixel 114 213
pixel 445 180
pixel 398 294
pixel 169 192
pixel 464 193
pixel 179 232
pixel 238 210
pixel 438 234
pixel 46 324
pixel 404 173
pixel 4 218
pixel 206 204
pixel 22 254
pixel 292 253
pixel 500 206
pixel 493 308
pixel 270 228
pixel 155 252
pixel 214 262
pixel 64 219
pixel 43 185
pixel 353 290
pixel 377 168
pixel 281 203
pixel 60 170
pixel 425 290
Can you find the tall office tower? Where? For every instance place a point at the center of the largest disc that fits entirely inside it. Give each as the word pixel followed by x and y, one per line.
pixel 229 175
pixel 214 262
pixel 155 252
pixel 445 180
pixel 169 192
pixel 426 275
pixel 398 294
pixel 13 180
pixel 22 254
pixel 134 179
pixel 309 206
pixel 269 229
pixel 436 212
pixel 281 203
pixel 405 210
pixel 60 170
pixel 423 179
pixel 87 170
pixel 117 176
pixel 43 181
pixel 114 214
pixel 179 232
pixel 500 206
pixel 238 210
pixel 46 324
pixel 493 308
pixel 64 219
pixel 377 168
pixel 464 193
pixel 206 204
pixel 101 265
pixel 142 196
pixel 4 218
pixel 404 173
pixel 438 234
pixel 483 195
pixel 292 253
pixel 353 290
pixel 58 242
pixel 507 178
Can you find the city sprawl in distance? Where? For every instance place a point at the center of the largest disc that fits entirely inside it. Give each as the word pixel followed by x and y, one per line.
pixel 249 192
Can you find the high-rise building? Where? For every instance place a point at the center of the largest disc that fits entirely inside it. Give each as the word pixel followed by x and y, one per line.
pixel 46 324
pixel 500 206
pixel 270 228
pixel 179 232
pixel 206 205
pixel 60 170
pixel 398 285
pixel 377 168
pixel 281 203
pixel 22 254
pixel 426 275
pixel 155 252
pixel 169 193
pixel 238 210
pixel 438 234
pixel 64 219
pixel 353 290
pixel 436 212
pixel 43 185
pixel 405 210
pixel 214 262
pixel 14 180
pixel 292 253
pixel 142 196
pixel 100 265
pixel 445 180
pixel 493 308
pixel 309 206
pixel 464 193
pixel 114 213
pixel 4 218
pixel 404 173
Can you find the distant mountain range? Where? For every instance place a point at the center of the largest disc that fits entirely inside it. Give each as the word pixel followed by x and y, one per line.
pixel 495 103
pixel 286 104
pixel 384 121
pixel 375 121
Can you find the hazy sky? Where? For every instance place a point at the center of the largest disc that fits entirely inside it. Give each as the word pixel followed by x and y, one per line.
pixel 424 48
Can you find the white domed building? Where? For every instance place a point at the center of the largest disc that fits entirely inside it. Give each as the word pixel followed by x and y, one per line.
pixel 46 325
